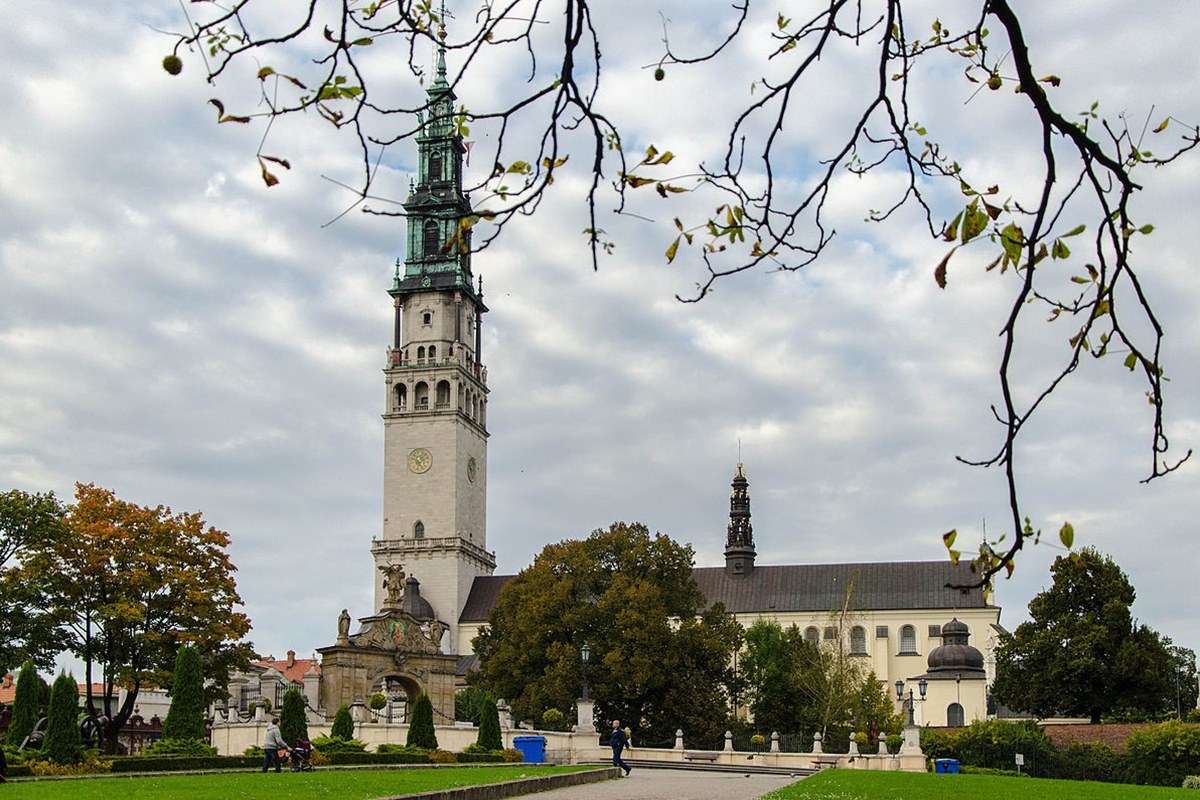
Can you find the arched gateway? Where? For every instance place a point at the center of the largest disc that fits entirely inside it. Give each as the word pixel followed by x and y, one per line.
pixel 397 651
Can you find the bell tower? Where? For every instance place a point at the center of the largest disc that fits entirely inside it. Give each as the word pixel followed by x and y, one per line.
pixel 435 407
pixel 739 536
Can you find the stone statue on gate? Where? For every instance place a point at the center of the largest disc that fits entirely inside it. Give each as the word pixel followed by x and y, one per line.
pixel 343 627
pixel 393 584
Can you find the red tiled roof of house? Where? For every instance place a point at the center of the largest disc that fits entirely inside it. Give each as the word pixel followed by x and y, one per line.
pixel 294 669
pixel 8 689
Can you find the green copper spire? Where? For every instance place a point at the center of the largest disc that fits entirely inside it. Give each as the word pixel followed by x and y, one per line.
pixel 436 202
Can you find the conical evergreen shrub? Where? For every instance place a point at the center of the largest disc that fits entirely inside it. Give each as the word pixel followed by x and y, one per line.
pixel 185 720
pixel 292 723
pixel 489 725
pixel 343 725
pixel 25 705
pixel 63 743
pixel 420 726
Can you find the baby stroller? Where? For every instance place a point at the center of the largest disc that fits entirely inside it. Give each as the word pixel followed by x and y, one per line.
pixel 302 756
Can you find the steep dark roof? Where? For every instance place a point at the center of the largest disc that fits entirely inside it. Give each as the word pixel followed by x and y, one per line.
pixel 802 587
pixel 485 593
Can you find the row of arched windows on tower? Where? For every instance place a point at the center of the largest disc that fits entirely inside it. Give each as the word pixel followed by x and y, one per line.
pixel 471 403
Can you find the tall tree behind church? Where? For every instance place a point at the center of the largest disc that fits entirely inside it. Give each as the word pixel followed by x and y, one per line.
pixel 1083 654
pixel 657 663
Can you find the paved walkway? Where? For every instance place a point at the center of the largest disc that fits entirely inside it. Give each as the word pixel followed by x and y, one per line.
pixel 672 784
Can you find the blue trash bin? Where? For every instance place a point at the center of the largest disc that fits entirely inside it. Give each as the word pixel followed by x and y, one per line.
pixel 946 766
pixel 532 748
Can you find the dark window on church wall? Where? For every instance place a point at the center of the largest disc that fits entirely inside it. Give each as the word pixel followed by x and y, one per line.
pixel 420 354
pixel 443 394
pixel 435 166
pixel 955 716
pixel 427 318
pixel 421 395
pixel 433 239
pixel 881 631
pixel 858 641
pixel 935 630
pixel 401 396
pixel 419 530
pixel 812 635
pixel 432 352
pixel 830 633
pixel 908 640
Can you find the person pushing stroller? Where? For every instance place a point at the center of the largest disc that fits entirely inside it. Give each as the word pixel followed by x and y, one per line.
pixel 302 755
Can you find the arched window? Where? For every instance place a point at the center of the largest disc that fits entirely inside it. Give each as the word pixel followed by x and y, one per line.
pixel 435 166
pixel 483 412
pixel 908 640
pixel 433 239
pixel 421 396
pixel 812 635
pixel 443 394
pixel 401 396
pixel 421 354
pixel 858 641
pixel 419 530
pixel 432 352
pixel 954 716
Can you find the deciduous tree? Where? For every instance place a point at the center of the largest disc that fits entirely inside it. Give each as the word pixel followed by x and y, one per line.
pixel 133 583
pixel 28 630
pixel 659 659
pixel 1082 653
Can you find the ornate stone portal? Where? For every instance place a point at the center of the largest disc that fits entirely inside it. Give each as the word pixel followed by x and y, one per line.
pixel 397 651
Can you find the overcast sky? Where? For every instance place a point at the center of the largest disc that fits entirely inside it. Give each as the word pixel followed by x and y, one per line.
pixel 174 330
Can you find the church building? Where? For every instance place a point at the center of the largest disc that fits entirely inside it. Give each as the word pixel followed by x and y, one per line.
pixel 435 583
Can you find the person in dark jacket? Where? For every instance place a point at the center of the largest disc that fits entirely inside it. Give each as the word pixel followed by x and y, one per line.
pixel 619 742
pixel 3 766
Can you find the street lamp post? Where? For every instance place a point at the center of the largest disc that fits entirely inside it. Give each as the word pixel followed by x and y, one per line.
pixel 585 655
pixel 912 736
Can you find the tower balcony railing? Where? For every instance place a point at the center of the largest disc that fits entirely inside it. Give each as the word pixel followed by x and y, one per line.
pixel 396 360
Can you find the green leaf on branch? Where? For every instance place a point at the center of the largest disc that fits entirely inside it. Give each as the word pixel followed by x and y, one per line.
pixel 1078 229
pixel 952 229
pixel 1131 361
pixel 1060 250
pixel 1066 535
pixel 672 250
pixel 949 536
pixel 975 220
pixel 1162 126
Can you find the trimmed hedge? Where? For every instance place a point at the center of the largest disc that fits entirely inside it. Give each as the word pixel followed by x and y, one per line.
pixel 1160 754
pixel 480 758
pixel 347 757
pixel 1164 754
pixel 179 763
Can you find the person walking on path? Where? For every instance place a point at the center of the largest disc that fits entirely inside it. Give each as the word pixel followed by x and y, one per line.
pixel 618 741
pixel 273 743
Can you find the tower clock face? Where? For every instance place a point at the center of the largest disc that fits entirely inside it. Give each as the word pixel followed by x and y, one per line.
pixel 419 460
pixel 472 469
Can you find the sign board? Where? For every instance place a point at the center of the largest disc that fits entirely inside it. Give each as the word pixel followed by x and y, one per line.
pixel 1020 759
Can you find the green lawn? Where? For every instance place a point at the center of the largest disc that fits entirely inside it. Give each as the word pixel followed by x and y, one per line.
pixel 339 784
pixel 860 785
